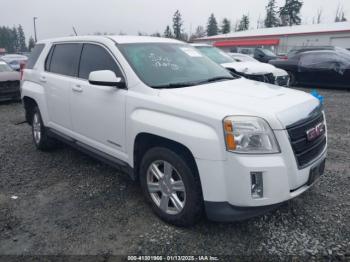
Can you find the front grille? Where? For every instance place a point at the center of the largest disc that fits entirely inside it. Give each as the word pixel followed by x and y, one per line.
pixel 267 78
pixel 306 151
pixel 9 86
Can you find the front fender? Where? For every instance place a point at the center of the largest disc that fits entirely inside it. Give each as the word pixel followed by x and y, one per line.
pixel 201 139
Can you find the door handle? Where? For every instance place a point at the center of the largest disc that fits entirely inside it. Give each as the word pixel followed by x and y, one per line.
pixel 77 88
pixel 42 79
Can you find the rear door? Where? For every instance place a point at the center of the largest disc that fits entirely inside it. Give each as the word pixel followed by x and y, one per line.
pixel 98 112
pixel 317 68
pixel 61 69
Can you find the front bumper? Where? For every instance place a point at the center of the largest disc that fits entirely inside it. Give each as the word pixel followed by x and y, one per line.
pixel 282 80
pixel 227 184
pixel 224 212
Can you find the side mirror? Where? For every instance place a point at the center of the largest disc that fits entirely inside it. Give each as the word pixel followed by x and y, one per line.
pixel 106 78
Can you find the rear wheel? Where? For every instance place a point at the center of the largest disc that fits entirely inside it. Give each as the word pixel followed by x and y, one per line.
pixel 171 187
pixel 39 133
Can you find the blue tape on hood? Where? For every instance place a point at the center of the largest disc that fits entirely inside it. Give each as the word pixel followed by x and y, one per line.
pixel 317 95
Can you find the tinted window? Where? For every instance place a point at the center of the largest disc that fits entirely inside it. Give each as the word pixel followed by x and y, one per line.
pixel 318 60
pixel 65 59
pixel 94 58
pixel 34 55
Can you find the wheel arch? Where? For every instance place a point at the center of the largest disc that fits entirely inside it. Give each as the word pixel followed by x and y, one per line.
pixel 29 105
pixel 34 93
pixel 145 141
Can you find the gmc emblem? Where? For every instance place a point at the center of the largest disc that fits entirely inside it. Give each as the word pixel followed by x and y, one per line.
pixel 315 132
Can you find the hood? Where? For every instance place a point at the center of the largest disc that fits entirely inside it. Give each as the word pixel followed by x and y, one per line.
pixel 250 68
pixel 10 76
pixel 279 106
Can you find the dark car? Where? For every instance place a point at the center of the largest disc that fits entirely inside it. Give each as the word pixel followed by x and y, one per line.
pixel 264 55
pixel 302 49
pixel 9 83
pixel 327 68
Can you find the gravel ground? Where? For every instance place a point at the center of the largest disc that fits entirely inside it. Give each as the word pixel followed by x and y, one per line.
pixel 69 203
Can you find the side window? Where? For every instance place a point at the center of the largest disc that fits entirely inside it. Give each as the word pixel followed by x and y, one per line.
pixel 34 55
pixel 318 60
pixel 94 58
pixel 65 59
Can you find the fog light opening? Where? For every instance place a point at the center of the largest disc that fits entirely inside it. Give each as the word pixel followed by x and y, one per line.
pixel 257 185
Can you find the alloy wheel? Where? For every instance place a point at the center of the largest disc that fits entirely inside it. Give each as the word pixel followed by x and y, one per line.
pixel 166 187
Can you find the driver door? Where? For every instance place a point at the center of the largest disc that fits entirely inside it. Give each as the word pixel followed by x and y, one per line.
pixel 98 112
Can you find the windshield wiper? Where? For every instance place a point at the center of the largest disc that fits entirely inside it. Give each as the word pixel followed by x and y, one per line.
pixel 218 78
pixel 177 85
pixel 186 84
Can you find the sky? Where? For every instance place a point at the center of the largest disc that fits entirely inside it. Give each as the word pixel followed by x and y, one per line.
pixel 57 17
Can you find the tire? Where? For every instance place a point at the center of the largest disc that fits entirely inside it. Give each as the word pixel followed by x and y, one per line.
pixel 292 79
pixel 39 132
pixel 184 201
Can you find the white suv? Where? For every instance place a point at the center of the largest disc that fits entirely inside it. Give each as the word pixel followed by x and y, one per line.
pixel 198 139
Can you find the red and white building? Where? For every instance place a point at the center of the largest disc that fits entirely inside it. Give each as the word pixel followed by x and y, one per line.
pixel 282 39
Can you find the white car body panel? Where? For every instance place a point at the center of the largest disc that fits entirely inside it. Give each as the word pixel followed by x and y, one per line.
pixel 191 116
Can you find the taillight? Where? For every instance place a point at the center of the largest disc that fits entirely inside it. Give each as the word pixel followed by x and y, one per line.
pixel 22 66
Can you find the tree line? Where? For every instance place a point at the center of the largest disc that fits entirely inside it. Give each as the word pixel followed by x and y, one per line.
pixel 275 16
pixel 14 40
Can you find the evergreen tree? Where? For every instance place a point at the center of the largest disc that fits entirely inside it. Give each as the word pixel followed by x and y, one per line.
pixel 290 12
pixel 225 26
pixel 21 39
pixel 31 43
pixel 156 34
pixel 168 33
pixel 15 39
pixel 244 23
pixel 177 25
pixel 212 27
pixel 271 19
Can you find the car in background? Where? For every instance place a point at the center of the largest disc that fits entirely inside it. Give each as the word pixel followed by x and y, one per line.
pixel 9 83
pixel 326 68
pixel 281 76
pixel 302 49
pixel 254 71
pixel 15 60
pixel 264 55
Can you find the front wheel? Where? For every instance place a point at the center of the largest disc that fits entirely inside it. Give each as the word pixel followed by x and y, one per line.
pixel 292 79
pixel 171 186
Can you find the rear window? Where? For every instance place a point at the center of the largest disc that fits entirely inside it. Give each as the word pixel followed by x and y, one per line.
pixel 34 55
pixel 65 59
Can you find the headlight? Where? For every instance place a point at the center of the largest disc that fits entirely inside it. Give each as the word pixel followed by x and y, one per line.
pixel 249 135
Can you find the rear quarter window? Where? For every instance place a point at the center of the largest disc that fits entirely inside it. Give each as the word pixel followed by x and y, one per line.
pixel 34 55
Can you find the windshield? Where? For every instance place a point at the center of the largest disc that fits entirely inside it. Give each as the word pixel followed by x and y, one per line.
pixel 215 54
pixel 267 52
pixel 4 67
pixel 162 65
